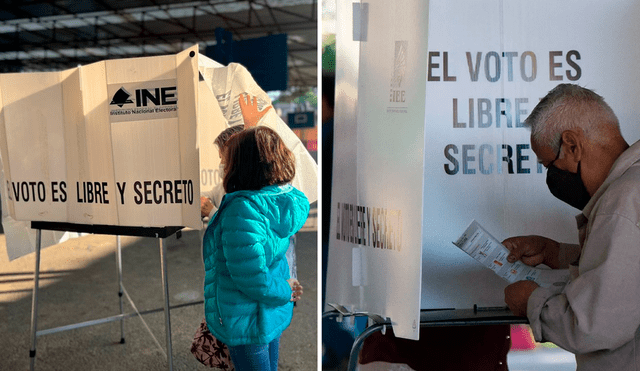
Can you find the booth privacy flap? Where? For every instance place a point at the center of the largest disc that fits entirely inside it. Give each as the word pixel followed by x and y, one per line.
pixel 228 84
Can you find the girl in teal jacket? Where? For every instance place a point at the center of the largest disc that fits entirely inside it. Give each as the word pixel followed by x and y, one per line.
pixel 248 292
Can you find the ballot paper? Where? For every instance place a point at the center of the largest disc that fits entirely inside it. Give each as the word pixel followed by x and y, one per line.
pixel 487 250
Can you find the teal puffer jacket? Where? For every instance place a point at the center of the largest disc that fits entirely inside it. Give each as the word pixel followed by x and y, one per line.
pixel 246 293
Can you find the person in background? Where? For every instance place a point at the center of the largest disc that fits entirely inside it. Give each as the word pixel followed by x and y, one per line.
pixel 590 166
pixel 248 293
pixel 210 200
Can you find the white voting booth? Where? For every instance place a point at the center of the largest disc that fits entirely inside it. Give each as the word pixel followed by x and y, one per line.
pixel 430 100
pixel 113 143
pixel 121 147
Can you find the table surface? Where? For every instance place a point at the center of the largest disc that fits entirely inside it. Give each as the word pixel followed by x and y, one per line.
pixel 156 232
pixel 469 317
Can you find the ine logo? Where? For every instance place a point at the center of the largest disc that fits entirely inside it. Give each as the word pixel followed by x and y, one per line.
pixel 143 101
pixel 396 94
pixel 145 97
pixel 121 97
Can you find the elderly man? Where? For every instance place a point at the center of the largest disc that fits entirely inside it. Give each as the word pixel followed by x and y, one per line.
pixel 596 316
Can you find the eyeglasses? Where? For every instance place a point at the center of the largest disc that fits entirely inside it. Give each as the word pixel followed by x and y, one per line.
pixel 557 156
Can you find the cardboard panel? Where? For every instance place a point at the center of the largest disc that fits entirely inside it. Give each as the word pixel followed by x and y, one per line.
pixel 109 143
pixel 482 85
pixel 344 187
pixel 34 120
pixel 88 139
pixel 378 230
pixel 141 70
pixel 150 189
pixel 187 84
pixel 210 123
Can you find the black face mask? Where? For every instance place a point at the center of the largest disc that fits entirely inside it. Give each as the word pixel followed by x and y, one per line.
pixel 567 186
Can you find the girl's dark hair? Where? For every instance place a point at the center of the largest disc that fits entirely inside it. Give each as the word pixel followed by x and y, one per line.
pixel 255 158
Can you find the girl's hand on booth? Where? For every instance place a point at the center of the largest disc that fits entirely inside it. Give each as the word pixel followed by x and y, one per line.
pixel 296 289
pixel 205 206
pixel 249 108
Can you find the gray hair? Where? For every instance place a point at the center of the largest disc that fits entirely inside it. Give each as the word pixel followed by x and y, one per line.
pixel 569 106
pixel 224 136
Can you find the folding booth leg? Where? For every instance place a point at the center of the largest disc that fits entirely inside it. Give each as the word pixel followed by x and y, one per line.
pixel 120 291
pixel 34 302
pixel 167 315
pixel 357 345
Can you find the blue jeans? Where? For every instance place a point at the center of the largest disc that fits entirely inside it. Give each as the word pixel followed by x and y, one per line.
pixel 256 357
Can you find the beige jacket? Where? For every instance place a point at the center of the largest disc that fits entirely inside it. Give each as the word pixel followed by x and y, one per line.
pixel 596 315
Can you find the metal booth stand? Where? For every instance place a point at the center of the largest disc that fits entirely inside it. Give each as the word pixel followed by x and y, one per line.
pixel 428 318
pixel 118 231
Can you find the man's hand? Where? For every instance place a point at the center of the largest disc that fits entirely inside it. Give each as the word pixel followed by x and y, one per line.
pixel 296 289
pixel 517 295
pixel 533 250
pixel 249 108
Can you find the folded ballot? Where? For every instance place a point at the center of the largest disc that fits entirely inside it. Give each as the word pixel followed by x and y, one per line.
pixel 487 250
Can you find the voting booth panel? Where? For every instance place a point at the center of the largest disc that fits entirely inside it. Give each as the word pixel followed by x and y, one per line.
pixel 211 122
pixel 120 147
pixel 112 143
pixel 227 85
pixel 481 86
pixel 125 142
pixel 487 65
pixel 376 217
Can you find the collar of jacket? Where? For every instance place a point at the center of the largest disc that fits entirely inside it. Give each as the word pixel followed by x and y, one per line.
pixel 268 190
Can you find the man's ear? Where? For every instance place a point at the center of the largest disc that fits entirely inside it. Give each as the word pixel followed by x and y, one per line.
pixel 573 140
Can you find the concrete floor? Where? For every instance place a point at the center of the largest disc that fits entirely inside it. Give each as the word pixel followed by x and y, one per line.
pixel 79 283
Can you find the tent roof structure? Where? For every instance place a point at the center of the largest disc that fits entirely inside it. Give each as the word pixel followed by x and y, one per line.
pixel 45 35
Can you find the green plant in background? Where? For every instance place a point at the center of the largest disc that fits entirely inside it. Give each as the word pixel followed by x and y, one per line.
pixel 329 54
pixel 299 96
pixel 309 97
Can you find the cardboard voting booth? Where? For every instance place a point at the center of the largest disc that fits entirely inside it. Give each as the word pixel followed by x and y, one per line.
pixel 430 100
pixel 121 146
pixel 124 142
